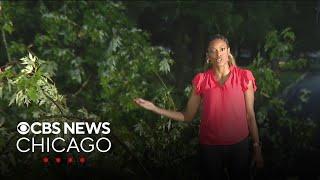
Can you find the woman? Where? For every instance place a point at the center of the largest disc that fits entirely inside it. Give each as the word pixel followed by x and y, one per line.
pixel 227 96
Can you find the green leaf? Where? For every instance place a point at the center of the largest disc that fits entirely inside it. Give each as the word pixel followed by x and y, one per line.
pixel 32 94
pixel 164 66
pixel 8 26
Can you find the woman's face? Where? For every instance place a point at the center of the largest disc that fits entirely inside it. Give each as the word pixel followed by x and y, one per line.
pixel 218 52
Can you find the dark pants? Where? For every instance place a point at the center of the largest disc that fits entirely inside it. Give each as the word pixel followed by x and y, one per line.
pixel 219 162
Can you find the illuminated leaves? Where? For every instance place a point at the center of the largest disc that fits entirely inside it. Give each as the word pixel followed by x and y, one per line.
pixel 31 85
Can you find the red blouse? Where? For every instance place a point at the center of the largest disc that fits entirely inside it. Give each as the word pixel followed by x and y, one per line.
pixel 223 118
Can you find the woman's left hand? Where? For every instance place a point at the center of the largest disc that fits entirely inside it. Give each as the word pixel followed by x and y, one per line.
pixel 257 157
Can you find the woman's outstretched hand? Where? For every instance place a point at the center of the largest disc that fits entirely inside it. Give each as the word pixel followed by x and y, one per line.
pixel 145 104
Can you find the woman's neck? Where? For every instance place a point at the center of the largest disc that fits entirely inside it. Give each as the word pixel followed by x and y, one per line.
pixel 221 71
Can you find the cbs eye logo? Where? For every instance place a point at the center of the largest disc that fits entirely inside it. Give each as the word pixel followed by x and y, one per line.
pixel 23 128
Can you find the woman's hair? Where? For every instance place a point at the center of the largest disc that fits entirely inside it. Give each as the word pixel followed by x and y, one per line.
pixel 231 61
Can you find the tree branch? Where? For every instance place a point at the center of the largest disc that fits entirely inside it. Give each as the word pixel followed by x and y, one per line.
pixel 170 98
pixel 5 44
pixel 55 103
pixel 82 86
pixel 4 37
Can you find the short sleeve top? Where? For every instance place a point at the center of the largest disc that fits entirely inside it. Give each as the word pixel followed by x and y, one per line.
pixel 223 118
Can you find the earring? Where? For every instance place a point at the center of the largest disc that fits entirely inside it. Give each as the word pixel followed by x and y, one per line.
pixel 207 58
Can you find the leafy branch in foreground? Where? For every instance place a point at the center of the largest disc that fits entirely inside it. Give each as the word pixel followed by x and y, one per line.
pixel 30 84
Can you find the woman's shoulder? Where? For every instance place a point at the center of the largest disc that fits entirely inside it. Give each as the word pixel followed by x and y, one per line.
pixel 202 74
pixel 242 71
pixel 203 80
pixel 246 75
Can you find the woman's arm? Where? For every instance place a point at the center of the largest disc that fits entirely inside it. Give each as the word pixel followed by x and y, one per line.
pixel 253 128
pixel 249 99
pixel 187 115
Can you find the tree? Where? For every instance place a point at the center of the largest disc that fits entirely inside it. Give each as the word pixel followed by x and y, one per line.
pixel 92 44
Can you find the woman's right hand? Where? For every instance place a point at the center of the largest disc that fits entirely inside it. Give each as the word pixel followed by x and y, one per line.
pixel 192 106
pixel 145 104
